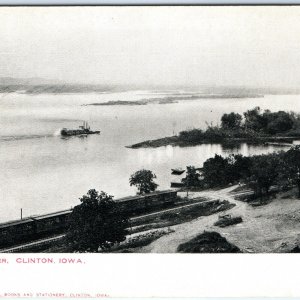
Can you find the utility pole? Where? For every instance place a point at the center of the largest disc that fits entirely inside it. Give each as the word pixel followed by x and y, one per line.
pixel 21 213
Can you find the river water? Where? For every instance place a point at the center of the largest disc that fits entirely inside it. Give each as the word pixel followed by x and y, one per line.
pixel 42 172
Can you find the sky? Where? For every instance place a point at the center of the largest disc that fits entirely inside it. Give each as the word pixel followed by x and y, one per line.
pixel 253 46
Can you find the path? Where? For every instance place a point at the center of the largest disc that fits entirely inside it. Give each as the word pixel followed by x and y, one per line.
pixel 186 231
pixel 270 228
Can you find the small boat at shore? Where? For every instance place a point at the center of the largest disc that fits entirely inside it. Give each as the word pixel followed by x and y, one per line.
pixel 83 130
pixel 178 171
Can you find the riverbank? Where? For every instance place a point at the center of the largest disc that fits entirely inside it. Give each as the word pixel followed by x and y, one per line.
pixel 253 127
pixel 177 141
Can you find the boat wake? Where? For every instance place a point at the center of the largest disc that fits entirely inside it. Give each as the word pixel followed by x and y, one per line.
pixel 7 138
pixel 85 130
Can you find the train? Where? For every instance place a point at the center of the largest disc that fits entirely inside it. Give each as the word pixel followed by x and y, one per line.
pixel 33 228
pixel 36 227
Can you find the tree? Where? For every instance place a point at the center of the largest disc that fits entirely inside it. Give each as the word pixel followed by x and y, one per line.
pixel 241 167
pixel 231 121
pixel 192 177
pixel 215 171
pixel 143 180
pixel 193 135
pixel 292 164
pixel 269 122
pixel 264 171
pixel 97 222
pixel 278 122
pixel 253 119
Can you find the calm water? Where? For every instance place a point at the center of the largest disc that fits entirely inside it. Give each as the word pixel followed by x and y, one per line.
pixel 41 172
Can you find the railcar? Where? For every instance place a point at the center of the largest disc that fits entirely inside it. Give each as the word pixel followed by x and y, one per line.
pixel 16 231
pixel 51 223
pixel 34 227
pixel 147 202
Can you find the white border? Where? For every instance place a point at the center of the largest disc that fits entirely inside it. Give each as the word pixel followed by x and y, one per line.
pixel 147 2
pixel 155 275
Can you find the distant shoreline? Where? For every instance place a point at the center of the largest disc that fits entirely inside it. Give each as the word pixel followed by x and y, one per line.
pixel 173 99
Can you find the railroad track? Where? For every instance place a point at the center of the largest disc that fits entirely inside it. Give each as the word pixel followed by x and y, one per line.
pixel 58 237
pixel 31 244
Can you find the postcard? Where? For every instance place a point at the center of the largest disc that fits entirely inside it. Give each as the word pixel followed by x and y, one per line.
pixel 149 151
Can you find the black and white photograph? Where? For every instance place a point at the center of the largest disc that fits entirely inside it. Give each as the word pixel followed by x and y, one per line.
pixel 150 129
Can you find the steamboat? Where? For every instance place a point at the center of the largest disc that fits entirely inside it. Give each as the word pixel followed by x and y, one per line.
pixel 83 130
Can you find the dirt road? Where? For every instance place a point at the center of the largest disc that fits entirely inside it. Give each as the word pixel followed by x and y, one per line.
pixel 269 228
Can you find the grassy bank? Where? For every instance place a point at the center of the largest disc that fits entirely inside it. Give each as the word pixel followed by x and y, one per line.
pixel 253 127
pixel 226 141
